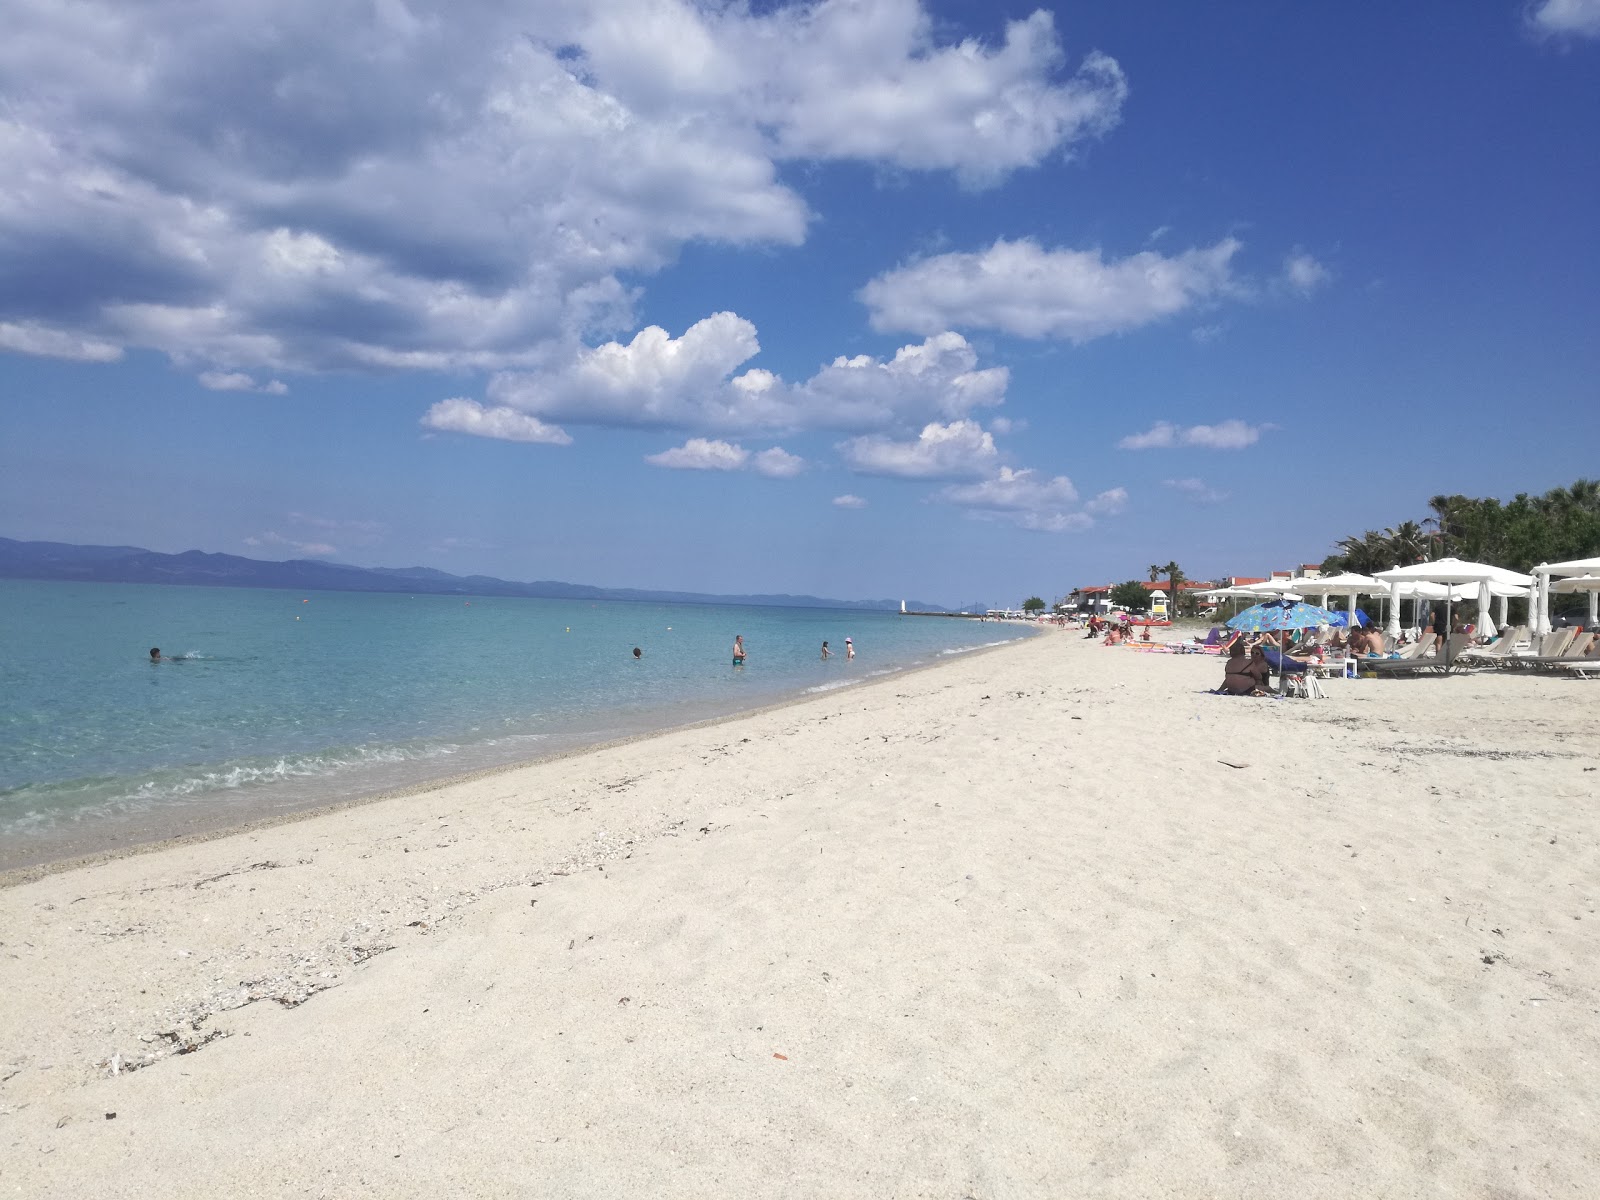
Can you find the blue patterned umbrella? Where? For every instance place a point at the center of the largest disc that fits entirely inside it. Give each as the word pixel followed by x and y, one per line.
pixel 1280 614
pixel 1342 619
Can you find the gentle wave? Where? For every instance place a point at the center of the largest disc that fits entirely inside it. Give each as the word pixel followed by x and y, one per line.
pixel 970 649
pixel 45 802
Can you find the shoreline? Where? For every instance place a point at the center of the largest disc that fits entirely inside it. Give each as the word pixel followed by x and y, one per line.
pixel 225 827
pixel 1038 922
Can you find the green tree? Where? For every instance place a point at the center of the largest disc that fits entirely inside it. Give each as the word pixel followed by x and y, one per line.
pixel 1033 605
pixel 1131 594
pixel 1175 581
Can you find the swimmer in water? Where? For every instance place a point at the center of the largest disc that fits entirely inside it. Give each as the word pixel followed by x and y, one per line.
pixel 738 649
pixel 637 653
pixel 156 655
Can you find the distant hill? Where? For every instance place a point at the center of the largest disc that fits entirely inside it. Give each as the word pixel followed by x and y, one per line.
pixel 131 564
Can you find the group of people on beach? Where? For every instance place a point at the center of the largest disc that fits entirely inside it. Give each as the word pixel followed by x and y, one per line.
pixel 739 650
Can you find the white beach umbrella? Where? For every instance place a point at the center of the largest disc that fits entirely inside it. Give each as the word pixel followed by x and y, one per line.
pixel 1583 583
pixel 1452 571
pixel 1484 625
pixel 1348 585
pixel 1503 592
pixel 1286 589
pixel 1539 607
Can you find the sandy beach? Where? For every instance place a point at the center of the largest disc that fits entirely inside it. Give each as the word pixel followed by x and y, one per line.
pixel 1043 921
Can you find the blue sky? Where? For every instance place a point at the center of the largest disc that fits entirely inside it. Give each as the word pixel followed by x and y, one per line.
pixel 878 298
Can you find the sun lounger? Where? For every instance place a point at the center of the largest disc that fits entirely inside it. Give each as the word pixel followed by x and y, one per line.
pixel 1587 667
pixel 1496 652
pixel 1574 648
pixel 1420 663
pixel 1553 647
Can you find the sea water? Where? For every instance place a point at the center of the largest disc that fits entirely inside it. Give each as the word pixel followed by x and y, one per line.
pixel 273 700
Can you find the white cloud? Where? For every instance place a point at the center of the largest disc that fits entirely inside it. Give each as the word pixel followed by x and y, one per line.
pixel 30 337
pixel 959 450
pixel 778 463
pixel 1024 498
pixel 468 416
pixel 238 381
pixel 1108 503
pixel 1204 335
pixel 420 185
pixel 1303 273
pixel 1197 491
pixel 305 549
pixel 698 454
pixel 1023 289
pixel 702 454
pixel 869 81
pixel 688 382
pixel 1225 435
pixel 849 501
pixel 1572 18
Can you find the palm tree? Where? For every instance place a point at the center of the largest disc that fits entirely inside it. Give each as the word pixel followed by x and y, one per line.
pixel 1175 578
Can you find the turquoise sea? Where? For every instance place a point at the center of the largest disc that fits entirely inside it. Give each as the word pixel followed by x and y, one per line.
pixel 279 700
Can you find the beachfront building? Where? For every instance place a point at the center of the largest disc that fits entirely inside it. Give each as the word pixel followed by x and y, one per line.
pixel 1096 598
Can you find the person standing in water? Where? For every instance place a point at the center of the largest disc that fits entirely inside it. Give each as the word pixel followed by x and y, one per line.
pixel 849 650
pixel 738 649
pixel 826 653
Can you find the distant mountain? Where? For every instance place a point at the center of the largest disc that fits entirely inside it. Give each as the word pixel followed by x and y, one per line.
pixel 131 564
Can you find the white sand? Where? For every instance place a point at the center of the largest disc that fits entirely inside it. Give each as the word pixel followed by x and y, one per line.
pixel 1004 928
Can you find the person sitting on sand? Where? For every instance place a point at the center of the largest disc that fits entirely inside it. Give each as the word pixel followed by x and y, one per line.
pixel 1245 672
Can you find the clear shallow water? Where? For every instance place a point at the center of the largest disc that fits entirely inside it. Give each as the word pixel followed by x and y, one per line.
pixel 281 697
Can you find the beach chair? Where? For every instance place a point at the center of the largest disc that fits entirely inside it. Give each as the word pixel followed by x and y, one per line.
pixel 1496 652
pixel 1421 662
pixel 1587 667
pixel 1575 649
pixel 1553 647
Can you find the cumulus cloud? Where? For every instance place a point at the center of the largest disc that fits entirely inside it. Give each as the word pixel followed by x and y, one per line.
pixel 1566 18
pixel 870 82
pixel 1197 491
pixel 420 185
pixel 238 381
pixel 1225 435
pixel 699 454
pixel 1304 274
pixel 1029 500
pixel 279 541
pixel 1108 503
pixel 778 463
pixel 702 454
pixel 959 450
pixel 30 337
pixel 689 382
pixel 849 500
pixel 507 424
pixel 1024 289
